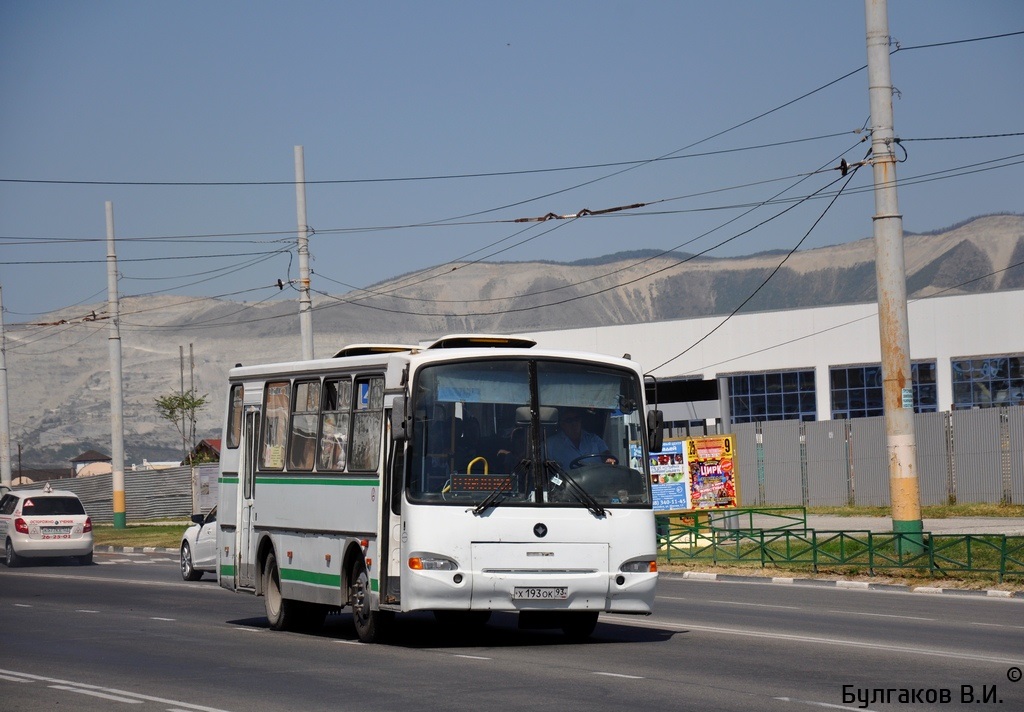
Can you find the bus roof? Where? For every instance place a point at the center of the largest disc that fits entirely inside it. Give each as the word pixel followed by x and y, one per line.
pixel 474 346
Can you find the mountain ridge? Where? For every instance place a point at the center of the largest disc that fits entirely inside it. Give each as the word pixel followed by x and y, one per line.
pixel 59 389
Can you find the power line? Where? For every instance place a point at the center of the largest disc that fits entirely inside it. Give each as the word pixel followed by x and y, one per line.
pixel 766 280
pixel 452 176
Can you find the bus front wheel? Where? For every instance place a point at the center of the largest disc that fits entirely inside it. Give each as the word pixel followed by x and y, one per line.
pixel 370 625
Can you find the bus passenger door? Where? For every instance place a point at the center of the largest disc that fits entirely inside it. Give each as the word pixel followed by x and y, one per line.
pixel 391 519
pixel 245 565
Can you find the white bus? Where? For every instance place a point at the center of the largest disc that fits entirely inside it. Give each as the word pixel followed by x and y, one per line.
pixel 398 478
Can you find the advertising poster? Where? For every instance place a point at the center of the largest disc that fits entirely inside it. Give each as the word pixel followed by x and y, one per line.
pixel 670 478
pixel 711 463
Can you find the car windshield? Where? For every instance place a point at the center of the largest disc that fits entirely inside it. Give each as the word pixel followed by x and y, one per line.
pixel 51 506
pixel 527 432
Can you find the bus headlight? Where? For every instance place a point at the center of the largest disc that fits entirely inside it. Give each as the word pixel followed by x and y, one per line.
pixel 432 562
pixel 640 566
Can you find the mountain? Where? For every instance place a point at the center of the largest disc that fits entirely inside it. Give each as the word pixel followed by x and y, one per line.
pixel 59 386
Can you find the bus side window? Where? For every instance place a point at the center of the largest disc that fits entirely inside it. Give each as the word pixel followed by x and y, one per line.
pixel 334 425
pixel 235 416
pixel 275 424
pixel 367 424
pixel 306 409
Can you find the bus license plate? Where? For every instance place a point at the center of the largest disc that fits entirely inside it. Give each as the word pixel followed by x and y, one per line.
pixel 541 593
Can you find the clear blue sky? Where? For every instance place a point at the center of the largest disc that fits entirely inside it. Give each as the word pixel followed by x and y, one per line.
pixel 215 92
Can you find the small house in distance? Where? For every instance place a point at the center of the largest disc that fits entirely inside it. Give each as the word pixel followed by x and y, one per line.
pixel 206 450
pixel 91 463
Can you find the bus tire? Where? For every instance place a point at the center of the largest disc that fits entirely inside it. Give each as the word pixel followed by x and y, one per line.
pixel 579 625
pixel 282 613
pixel 371 625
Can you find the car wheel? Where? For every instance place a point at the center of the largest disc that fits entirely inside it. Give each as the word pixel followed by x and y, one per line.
pixel 85 559
pixel 11 557
pixel 188 569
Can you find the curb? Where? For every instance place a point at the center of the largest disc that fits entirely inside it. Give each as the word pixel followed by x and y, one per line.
pixel 134 550
pixel 845 584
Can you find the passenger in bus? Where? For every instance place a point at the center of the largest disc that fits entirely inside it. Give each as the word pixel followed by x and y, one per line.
pixel 516 451
pixel 572 444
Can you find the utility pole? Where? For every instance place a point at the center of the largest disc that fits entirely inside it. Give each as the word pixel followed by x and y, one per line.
pixel 890 273
pixel 116 395
pixel 192 395
pixel 305 303
pixel 5 413
pixel 184 411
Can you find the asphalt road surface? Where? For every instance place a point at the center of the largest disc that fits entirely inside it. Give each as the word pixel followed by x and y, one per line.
pixel 127 633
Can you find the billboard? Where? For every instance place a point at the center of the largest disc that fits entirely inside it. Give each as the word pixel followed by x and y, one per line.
pixel 695 474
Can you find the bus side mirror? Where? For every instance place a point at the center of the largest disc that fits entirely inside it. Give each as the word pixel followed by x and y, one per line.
pixel 655 429
pixel 399 420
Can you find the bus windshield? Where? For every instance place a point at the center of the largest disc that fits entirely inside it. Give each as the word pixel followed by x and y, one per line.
pixel 528 432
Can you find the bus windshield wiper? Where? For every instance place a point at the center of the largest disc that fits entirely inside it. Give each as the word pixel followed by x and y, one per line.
pixel 574 487
pixel 495 498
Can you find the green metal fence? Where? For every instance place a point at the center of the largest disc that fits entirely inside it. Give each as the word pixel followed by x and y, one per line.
pixel 788 541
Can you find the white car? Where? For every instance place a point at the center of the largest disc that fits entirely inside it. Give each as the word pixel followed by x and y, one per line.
pixel 44 523
pixel 199 546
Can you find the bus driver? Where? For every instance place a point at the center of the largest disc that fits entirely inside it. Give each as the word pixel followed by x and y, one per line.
pixel 572 442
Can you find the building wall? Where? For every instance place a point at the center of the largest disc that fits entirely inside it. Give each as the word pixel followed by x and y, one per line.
pixel 941 328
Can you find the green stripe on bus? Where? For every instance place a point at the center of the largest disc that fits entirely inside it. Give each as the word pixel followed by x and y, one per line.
pixel 226 570
pixel 312 481
pixel 284 480
pixel 314 578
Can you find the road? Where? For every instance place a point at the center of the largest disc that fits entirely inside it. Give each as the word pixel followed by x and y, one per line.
pixel 127 633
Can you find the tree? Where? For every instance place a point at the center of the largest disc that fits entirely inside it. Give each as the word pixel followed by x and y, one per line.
pixel 181 409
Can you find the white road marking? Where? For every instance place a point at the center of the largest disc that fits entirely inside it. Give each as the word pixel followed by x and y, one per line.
pixel 881 615
pixel 107 692
pixel 757 605
pixel 619 674
pixel 821 704
pixel 93 693
pixel 11 678
pixel 902 650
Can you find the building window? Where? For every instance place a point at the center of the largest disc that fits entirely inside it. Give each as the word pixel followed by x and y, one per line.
pixel 857 390
pixel 778 395
pixel 988 382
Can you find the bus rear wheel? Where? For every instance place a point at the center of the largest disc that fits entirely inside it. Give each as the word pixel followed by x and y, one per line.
pixel 282 613
pixel 370 625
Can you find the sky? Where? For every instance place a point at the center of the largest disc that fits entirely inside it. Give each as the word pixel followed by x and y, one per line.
pixel 428 129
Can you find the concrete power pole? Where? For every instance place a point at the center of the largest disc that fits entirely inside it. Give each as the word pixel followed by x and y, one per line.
pixel 116 395
pixel 5 413
pixel 890 272
pixel 305 303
